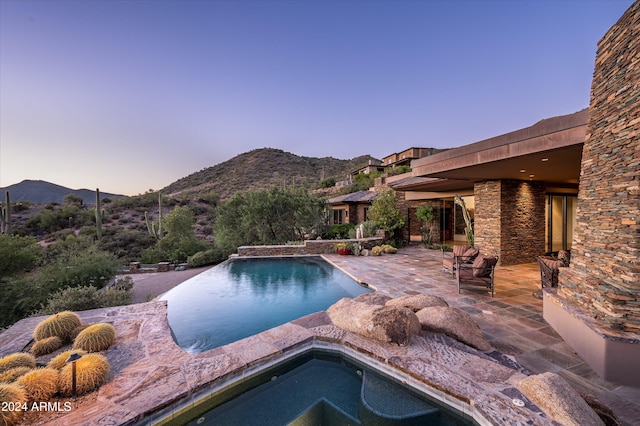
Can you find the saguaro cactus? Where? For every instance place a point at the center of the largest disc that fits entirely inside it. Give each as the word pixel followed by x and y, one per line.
pixel 98 214
pixel 5 216
pixel 156 233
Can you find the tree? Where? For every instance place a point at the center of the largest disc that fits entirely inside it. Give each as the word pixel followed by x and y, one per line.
pixel 180 240
pixel 385 212
pixel 267 216
pixel 468 230
pixel 425 214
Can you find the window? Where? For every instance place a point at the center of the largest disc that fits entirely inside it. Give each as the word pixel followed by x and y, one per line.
pixel 561 220
pixel 338 216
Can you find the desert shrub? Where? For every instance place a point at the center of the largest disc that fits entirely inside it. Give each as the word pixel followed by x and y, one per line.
pixel 207 257
pixel 398 170
pixel 39 384
pixel 92 371
pixel 60 325
pixel 59 361
pixel 18 254
pixel 84 298
pixel 389 249
pixel 18 359
pixel 13 394
pixel 341 230
pixel 369 228
pixel 328 182
pixel 12 374
pixel 46 346
pixel 95 338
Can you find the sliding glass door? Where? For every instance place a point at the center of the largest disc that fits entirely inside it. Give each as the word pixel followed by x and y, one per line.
pixel 561 219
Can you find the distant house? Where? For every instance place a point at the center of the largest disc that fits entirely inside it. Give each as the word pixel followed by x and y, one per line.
pixel 351 208
pixel 373 166
pixel 405 157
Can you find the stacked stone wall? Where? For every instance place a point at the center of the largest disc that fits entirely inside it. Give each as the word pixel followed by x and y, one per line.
pixel 310 247
pixel 488 210
pixel 604 275
pixel 522 235
pixel 509 220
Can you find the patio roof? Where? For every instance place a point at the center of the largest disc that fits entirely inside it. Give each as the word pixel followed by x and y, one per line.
pixel 549 151
pixel 354 197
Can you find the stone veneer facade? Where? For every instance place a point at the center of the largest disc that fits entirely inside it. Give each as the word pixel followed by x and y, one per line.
pixel 509 220
pixel 604 276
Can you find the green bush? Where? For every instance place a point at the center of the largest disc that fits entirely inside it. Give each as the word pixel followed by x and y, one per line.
pixel 86 297
pixel 207 257
pixel 18 254
pixel 340 231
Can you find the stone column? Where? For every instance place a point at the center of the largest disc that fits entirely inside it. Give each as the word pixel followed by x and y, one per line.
pixel 510 220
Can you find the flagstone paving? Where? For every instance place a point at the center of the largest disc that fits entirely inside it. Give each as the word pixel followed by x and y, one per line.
pixel 150 373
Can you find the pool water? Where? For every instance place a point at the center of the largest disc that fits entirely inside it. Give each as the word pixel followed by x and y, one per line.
pixel 320 388
pixel 243 297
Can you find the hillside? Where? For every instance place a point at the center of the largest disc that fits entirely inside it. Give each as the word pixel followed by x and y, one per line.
pixel 42 192
pixel 263 168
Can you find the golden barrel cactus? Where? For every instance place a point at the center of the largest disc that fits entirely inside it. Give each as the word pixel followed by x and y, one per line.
pixel 61 324
pixel 18 359
pixel 59 361
pixel 92 371
pixel 39 384
pixel 13 398
pixel 46 345
pixel 95 338
pixel 11 375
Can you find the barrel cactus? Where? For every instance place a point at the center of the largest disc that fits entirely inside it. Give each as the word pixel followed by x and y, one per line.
pixel 39 384
pixel 59 361
pixel 46 346
pixel 19 359
pixel 11 375
pixel 60 324
pixel 376 251
pixel 95 338
pixel 92 371
pixel 16 396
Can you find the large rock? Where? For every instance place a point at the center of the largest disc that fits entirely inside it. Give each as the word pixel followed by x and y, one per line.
pixel 416 302
pixel 390 324
pixel 455 323
pixel 558 399
pixel 374 298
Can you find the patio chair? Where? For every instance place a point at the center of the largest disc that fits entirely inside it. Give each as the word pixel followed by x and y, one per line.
pixel 480 273
pixel 463 254
pixel 550 267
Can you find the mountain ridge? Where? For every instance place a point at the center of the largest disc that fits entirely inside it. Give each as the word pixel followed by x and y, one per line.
pixel 43 192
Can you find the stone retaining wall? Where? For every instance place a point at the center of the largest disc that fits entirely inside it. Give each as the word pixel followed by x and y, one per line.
pixel 309 247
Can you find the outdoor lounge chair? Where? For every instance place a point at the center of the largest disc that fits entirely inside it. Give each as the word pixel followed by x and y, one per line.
pixel 477 274
pixel 462 254
pixel 550 267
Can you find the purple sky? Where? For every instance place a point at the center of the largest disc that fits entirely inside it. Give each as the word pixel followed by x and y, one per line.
pixel 129 95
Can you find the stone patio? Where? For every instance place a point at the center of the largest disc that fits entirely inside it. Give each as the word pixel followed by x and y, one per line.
pixel 152 377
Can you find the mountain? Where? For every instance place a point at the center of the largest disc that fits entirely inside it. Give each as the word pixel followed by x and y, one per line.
pixel 42 192
pixel 264 168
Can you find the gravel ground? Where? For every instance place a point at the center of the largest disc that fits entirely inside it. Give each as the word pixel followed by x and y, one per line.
pixel 148 286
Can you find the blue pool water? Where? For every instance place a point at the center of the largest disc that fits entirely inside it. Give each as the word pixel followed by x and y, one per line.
pixel 243 297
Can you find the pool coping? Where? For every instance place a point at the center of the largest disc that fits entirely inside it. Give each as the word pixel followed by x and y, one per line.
pixel 152 376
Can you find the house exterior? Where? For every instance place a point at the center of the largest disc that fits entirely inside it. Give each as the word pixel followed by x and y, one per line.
pixel 520 189
pixel 351 208
pixel 405 157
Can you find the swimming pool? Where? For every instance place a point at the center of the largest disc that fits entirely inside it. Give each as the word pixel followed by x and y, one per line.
pixel 243 297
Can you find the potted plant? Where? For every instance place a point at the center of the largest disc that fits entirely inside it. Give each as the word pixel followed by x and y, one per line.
pixel 344 249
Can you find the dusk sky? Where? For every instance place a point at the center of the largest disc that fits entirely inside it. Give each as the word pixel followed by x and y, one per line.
pixel 131 95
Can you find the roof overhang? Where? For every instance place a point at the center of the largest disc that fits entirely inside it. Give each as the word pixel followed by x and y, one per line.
pixel 549 151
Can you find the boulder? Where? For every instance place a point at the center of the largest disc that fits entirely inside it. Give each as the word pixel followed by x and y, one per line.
pixel 558 399
pixel 390 324
pixel 416 302
pixel 455 323
pixel 374 298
